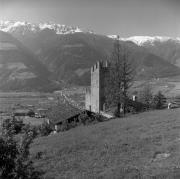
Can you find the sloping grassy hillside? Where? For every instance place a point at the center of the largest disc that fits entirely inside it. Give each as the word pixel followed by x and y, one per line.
pixel 142 145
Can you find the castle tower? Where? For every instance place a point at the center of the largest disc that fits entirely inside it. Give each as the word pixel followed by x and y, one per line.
pixel 95 100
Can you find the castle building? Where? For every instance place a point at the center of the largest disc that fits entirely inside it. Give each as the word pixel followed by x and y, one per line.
pixel 95 96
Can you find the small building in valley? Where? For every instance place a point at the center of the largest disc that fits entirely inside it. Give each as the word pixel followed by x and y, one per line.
pixel 23 112
pixel 41 112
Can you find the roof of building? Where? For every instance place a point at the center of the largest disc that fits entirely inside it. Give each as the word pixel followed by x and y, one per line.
pixel 24 111
pixel 62 112
pixel 42 109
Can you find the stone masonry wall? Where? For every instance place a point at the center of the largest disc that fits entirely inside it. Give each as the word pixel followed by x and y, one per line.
pixel 96 99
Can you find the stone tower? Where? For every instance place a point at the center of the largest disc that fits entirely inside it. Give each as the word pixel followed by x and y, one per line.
pixel 95 98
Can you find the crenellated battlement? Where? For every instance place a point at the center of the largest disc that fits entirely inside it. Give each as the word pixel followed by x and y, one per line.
pixel 100 65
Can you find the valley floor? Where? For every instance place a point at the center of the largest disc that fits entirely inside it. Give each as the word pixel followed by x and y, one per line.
pixel 142 145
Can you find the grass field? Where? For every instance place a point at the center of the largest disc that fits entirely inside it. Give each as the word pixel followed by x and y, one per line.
pixel 146 145
pixel 25 100
pixel 170 87
pixel 13 100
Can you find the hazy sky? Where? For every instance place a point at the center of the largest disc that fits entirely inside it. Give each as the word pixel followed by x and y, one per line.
pixel 123 17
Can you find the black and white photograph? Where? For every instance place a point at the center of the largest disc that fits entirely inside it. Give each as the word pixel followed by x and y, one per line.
pixel 89 89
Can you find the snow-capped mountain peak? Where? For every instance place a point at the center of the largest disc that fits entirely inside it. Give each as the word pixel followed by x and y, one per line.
pixel 59 29
pixel 141 40
pixel 113 36
pixel 13 26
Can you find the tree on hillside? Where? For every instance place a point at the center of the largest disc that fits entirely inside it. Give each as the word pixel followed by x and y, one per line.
pixel 146 96
pixel 15 162
pixel 119 79
pixel 127 77
pixel 12 126
pixel 159 100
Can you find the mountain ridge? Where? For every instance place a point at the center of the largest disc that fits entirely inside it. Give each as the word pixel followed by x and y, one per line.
pixel 19 67
pixel 68 56
pixel 23 27
pixel 141 40
pixel 12 26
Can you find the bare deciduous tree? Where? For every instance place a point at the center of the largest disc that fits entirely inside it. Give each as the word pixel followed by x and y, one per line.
pixel 120 78
pixel 146 96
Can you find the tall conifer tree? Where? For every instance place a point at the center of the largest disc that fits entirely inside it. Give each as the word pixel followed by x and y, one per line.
pixel 120 78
